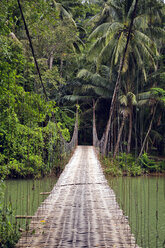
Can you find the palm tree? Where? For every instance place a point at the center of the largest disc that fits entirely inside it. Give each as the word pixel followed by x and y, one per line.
pixel 92 87
pixel 125 114
pixel 153 97
pixel 110 38
pixel 99 84
pixel 121 42
pixel 127 101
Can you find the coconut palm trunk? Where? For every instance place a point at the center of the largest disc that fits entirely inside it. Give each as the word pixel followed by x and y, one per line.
pixel 119 137
pixel 130 133
pixel 148 132
pixel 94 123
pixel 122 60
pixel 50 60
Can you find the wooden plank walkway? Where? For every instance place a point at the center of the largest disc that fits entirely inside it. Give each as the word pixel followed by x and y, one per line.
pixel 81 210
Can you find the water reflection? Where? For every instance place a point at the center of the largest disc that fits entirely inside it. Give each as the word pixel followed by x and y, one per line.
pixel 143 201
pixel 24 196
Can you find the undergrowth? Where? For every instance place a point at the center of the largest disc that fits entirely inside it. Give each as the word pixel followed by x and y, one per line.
pixel 128 165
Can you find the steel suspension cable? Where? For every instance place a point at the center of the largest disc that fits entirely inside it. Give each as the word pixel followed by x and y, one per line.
pixel 31 46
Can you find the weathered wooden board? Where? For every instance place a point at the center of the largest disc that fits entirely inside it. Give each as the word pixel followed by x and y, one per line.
pixel 81 210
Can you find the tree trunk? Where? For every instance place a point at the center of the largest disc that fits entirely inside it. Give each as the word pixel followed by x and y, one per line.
pixel 61 67
pixel 118 138
pixel 112 128
pixel 111 109
pixel 94 123
pixel 50 61
pixel 130 133
pixel 148 132
pixel 118 81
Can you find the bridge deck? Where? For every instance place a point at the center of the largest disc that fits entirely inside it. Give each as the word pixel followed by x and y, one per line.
pixel 81 210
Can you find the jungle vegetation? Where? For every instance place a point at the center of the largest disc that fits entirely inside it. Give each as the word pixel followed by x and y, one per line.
pixel 106 56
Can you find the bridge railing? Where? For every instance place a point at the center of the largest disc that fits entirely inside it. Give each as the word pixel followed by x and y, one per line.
pixel 65 146
pixel 96 142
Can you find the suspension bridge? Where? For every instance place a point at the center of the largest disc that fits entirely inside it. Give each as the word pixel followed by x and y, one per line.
pixel 81 210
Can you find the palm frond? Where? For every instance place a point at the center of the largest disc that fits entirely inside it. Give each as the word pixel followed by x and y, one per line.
pixel 114 28
pixel 85 74
pixel 132 98
pixel 157 32
pixel 138 55
pixel 148 53
pixel 107 51
pixel 96 48
pixel 142 37
pixel 123 100
pixel 63 12
pixel 156 135
pixel 95 78
pixel 142 103
pixel 140 22
pixel 120 47
pixel 103 92
pixel 100 31
pixel 129 15
pixel 74 98
pixel 144 96
pixel 148 45
pixel 100 91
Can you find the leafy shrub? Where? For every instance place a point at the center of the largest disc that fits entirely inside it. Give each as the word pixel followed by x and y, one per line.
pixel 128 164
pixel 161 167
pixel 134 170
pixel 113 171
pixel 110 167
pixel 147 164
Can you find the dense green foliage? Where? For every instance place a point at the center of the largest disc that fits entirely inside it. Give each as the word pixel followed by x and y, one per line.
pixel 76 53
pixel 26 130
pixel 29 135
pixel 136 119
pixel 78 47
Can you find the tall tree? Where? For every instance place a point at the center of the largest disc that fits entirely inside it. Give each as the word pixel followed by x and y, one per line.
pixel 123 41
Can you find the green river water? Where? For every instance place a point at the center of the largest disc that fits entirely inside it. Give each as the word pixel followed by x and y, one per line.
pixel 143 201
pixel 24 196
pixel 141 198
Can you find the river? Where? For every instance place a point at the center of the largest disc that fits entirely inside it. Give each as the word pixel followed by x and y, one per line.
pixel 143 201
pixel 141 198
pixel 24 196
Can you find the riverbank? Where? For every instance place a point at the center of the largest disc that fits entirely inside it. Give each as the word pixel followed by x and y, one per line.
pixel 127 165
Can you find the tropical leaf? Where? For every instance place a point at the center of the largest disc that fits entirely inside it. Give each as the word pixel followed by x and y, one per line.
pixel 132 97
pixel 144 96
pixel 123 100
pixel 74 98
pixel 131 9
pixel 100 31
pixel 96 48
